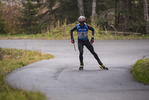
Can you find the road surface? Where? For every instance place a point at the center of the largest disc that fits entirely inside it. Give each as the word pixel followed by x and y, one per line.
pixel 60 79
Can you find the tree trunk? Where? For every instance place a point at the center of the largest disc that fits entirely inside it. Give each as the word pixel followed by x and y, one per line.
pixel 140 9
pixel 146 16
pixel 130 10
pixel 81 7
pixel 117 14
pixel 94 10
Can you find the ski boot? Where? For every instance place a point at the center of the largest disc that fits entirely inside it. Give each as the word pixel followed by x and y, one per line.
pixel 81 67
pixel 103 67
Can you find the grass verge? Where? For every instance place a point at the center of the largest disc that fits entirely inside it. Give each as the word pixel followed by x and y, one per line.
pixel 63 33
pixel 141 71
pixel 11 59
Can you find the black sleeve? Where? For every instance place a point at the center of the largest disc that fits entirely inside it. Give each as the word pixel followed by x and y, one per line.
pixel 92 29
pixel 71 32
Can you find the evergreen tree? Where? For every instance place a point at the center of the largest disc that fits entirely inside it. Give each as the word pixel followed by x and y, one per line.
pixel 67 12
pixel 62 11
pixel 3 24
pixel 129 15
pixel 30 16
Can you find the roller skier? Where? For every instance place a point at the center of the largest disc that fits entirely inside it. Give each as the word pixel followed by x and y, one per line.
pixel 82 30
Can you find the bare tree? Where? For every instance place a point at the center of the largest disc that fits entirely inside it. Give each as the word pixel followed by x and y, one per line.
pixel 146 18
pixel 81 7
pixel 94 15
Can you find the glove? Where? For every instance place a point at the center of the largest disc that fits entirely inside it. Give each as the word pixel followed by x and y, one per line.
pixel 72 41
pixel 92 40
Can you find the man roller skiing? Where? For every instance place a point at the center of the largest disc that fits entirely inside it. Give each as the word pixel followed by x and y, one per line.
pixel 82 29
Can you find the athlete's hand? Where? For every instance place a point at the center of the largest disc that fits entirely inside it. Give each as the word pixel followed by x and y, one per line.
pixel 72 41
pixel 92 40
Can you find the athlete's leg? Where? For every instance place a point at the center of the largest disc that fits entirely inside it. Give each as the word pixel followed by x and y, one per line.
pixel 91 49
pixel 80 47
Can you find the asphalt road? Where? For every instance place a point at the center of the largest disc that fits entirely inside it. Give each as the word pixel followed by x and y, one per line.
pixel 60 79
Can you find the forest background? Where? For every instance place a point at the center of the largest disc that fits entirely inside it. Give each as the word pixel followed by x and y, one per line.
pixel 44 16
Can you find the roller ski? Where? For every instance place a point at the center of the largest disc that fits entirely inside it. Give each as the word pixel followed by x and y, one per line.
pixel 81 67
pixel 103 67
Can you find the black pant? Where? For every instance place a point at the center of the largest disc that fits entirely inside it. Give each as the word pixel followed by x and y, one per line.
pixel 81 44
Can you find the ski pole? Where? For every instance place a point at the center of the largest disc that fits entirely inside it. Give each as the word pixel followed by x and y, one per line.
pixel 74 46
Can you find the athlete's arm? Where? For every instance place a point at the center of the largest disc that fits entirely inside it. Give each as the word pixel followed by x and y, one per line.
pixel 92 29
pixel 71 32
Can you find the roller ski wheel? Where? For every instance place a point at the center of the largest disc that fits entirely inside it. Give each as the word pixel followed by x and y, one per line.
pixel 103 67
pixel 81 67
